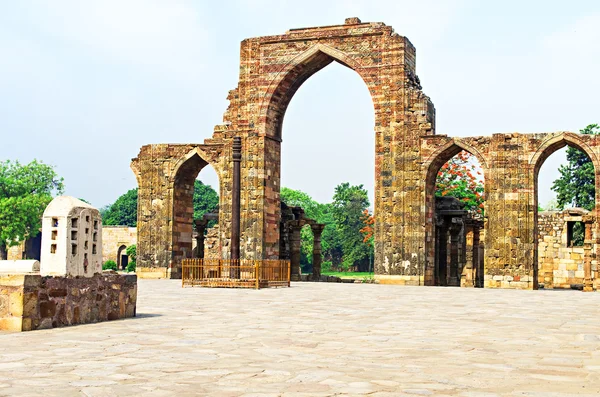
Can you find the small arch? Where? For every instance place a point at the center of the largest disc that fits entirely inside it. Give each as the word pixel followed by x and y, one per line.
pixel 122 257
pixel 446 152
pixel 285 84
pixel 183 178
pixel 198 160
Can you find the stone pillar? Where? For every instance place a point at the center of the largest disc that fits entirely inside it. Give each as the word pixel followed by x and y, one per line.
pixel 442 264
pixel 200 226
pixel 235 199
pixel 466 277
pixel 588 282
pixel 317 230
pixel 454 245
pixel 477 268
pixel 295 270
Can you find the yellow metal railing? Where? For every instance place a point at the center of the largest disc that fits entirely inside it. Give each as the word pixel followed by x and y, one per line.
pixel 235 273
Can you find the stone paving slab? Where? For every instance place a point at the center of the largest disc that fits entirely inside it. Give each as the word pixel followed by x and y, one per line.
pixel 318 339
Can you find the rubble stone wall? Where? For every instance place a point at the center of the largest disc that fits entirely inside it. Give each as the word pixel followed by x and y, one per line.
pixel 30 301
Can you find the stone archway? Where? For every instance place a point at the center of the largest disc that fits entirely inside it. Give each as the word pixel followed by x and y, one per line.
pixel 430 169
pixel 546 148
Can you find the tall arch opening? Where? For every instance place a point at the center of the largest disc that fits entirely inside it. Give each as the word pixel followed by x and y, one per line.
pixel 454 218
pixel 193 199
pixel 562 213
pixel 328 142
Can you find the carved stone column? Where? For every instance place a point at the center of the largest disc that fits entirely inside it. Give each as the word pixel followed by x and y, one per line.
pixel 442 264
pixel 455 230
pixel 317 230
pixel 588 282
pixel 295 271
pixel 200 226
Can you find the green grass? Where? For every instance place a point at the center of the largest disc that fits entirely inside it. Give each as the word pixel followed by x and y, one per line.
pixel 358 275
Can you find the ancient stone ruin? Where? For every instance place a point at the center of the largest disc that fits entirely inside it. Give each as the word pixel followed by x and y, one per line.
pixel 68 287
pixel 408 150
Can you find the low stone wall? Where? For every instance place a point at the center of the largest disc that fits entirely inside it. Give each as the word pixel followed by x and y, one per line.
pixel 30 301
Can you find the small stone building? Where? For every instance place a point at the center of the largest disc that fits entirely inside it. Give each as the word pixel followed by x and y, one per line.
pixel 561 248
pixel 115 240
pixel 72 238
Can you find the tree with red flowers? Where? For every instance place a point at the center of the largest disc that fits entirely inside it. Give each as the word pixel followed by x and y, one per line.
pixel 461 178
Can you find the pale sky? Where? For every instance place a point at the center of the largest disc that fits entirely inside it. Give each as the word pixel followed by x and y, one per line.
pixel 84 84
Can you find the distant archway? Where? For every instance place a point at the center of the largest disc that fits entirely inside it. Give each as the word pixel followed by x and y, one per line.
pixel 122 258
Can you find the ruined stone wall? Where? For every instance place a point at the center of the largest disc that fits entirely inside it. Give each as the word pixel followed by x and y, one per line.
pixel 165 175
pixel 408 155
pixel 115 237
pixel 29 302
pixel 561 265
pixel 511 164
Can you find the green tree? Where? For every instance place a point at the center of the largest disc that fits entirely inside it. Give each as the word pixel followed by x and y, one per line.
pixel 575 186
pixel 321 213
pixel 206 200
pixel 25 191
pixel 349 203
pixel 131 252
pixel 123 212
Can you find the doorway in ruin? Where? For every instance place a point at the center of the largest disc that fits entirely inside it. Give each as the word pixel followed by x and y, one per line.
pixel 328 139
pixel 122 258
pixel 193 197
pixel 560 247
pixel 454 202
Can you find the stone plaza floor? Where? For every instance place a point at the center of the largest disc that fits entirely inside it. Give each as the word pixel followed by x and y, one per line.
pixel 318 339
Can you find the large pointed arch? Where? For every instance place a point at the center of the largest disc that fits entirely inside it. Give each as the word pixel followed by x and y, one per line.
pixel 289 79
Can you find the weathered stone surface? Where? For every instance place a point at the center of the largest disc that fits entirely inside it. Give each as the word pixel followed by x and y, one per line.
pixel 29 302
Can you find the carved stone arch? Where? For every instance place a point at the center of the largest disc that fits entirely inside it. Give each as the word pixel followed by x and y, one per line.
pixel 449 150
pixel 429 171
pixel 202 155
pixel 551 145
pixel 289 79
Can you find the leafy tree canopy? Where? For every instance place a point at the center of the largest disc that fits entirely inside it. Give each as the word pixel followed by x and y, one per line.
pixel 576 185
pixel 461 178
pixel 206 200
pixel 123 211
pixel 25 191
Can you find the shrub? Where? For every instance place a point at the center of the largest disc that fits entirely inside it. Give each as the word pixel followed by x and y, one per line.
pixel 132 254
pixel 326 266
pixel 109 265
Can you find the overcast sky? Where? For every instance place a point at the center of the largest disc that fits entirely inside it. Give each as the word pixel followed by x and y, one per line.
pixel 84 84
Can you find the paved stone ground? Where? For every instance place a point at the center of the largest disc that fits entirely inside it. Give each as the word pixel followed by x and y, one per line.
pixel 319 340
